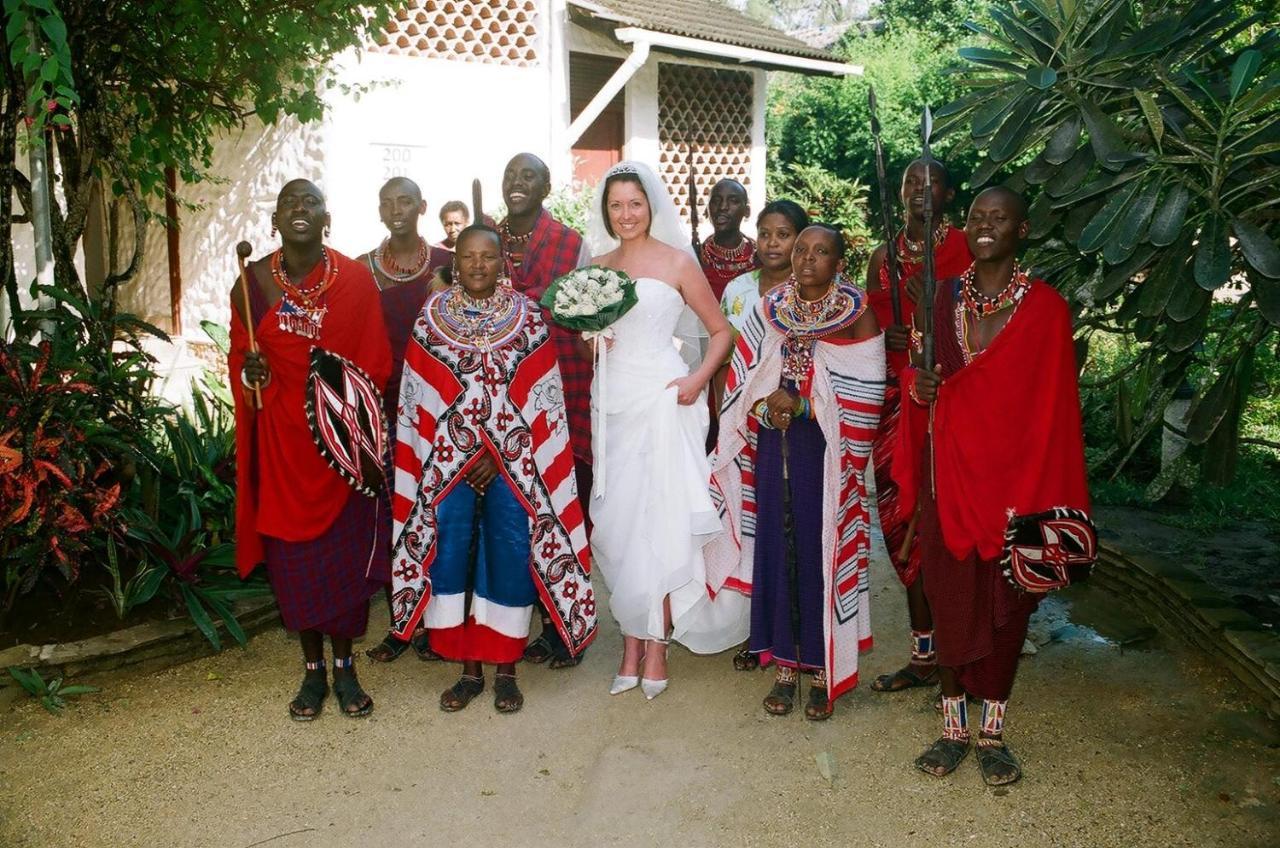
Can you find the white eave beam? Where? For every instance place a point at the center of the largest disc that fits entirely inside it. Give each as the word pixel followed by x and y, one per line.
pixel 651 38
pixel 639 55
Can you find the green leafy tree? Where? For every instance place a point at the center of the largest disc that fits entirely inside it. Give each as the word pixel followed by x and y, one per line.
pixel 943 19
pixel 132 87
pixel 1147 136
pixel 825 122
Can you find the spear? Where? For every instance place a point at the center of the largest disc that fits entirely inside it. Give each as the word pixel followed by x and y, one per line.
pixel 890 243
pixel 693 207
pixel 930 282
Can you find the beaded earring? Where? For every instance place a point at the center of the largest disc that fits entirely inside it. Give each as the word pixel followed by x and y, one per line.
pixel 273 228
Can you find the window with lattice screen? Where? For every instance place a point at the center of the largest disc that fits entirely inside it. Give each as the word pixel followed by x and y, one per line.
pixel 500 32
pixel 705 112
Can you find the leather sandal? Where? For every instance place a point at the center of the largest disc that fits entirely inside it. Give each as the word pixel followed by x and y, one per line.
pixel 388 650
pixel 507 697
pixel 309 701
pixel 457 696
pixel 905 678
pixel 998 764
pixel 744 660
pixel 943 756
pixel 352 698
pixel 819 706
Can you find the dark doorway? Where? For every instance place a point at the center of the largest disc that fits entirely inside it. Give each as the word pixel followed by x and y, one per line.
pixel 600 147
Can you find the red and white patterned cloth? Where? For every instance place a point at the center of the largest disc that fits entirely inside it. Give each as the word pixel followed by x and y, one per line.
pixel 455 404
pixel 846 395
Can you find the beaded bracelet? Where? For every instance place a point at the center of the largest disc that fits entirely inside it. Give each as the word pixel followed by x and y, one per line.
pixel 244 381
pixel 761 412
pixel 911 389
pixel 917 340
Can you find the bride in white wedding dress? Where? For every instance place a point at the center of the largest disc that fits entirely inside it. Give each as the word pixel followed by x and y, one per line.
pixel 651 506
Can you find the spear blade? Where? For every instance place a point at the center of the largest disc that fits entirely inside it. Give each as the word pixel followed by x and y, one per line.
pixel 477 202
pixel 892 267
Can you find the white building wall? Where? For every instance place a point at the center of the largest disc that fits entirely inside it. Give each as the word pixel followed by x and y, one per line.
pixel 408 123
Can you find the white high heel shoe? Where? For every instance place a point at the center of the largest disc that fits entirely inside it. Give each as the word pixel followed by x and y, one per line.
pixel 623 683
pixel 653 688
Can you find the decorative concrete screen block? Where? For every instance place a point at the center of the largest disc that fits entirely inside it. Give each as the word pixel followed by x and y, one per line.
pixel 500 32
pixel 706 112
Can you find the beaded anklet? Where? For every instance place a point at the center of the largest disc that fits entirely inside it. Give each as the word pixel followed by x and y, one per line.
pixel 955 719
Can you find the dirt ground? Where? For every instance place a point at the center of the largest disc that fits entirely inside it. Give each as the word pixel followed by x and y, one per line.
pixel 1127 739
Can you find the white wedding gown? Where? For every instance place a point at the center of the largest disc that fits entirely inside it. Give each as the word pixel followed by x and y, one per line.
pixel 651 507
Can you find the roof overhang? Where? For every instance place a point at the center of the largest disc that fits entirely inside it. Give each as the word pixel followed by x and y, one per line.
pixel 765 59
pixel 632 30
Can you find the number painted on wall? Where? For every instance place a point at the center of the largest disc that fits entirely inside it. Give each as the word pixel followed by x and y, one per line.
pixel 396 161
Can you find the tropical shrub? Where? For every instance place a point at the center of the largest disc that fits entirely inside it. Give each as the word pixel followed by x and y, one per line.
pixel 1146 136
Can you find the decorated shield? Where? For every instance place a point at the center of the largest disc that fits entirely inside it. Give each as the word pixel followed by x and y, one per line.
pixel 1049 550
pixel 344 411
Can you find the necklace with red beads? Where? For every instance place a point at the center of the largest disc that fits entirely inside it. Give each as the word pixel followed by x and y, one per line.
pixel 729 260
pixel 803 322
pixel 387 266
pixel 980 305
pixel 302 308
pixel 913 251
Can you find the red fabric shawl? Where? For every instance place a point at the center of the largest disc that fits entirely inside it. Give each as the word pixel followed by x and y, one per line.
pixel 284 488
pixel 951 258
pixel 553 251
pixel 1006 429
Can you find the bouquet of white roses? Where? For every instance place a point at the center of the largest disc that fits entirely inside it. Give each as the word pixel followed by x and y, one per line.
pixel 589 299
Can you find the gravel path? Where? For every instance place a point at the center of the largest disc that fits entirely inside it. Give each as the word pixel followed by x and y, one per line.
pixel 1122 746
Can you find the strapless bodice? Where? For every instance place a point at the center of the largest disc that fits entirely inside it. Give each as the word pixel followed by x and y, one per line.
pixel 648 327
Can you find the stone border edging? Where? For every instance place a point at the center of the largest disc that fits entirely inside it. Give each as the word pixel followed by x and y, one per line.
pixel 1185 604
pixel 150 646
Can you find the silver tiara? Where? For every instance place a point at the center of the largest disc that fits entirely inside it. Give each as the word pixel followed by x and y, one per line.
pixel 622 168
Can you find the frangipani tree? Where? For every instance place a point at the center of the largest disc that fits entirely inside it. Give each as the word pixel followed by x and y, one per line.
pixel 1147 137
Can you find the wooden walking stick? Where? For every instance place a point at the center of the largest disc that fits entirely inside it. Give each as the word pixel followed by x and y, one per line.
pixel 477 202
pixel 243 249
pixel 886 216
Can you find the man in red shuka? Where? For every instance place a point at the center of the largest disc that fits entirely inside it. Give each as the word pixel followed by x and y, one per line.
pixel 1002 407
pixel 950 259
pixel 325 545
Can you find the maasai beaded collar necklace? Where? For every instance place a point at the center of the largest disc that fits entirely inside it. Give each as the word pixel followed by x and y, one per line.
pixel 385 262
pixel 476 323
pixel 805 321
pixel 913 251
pixel 973 305
pixel 980 305
pixel 302 309
pixel 725 259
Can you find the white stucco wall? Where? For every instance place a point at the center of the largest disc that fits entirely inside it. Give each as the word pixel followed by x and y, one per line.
pixel 409 123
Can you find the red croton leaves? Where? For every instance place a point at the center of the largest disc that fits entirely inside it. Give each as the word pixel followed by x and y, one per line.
pixel 48 485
